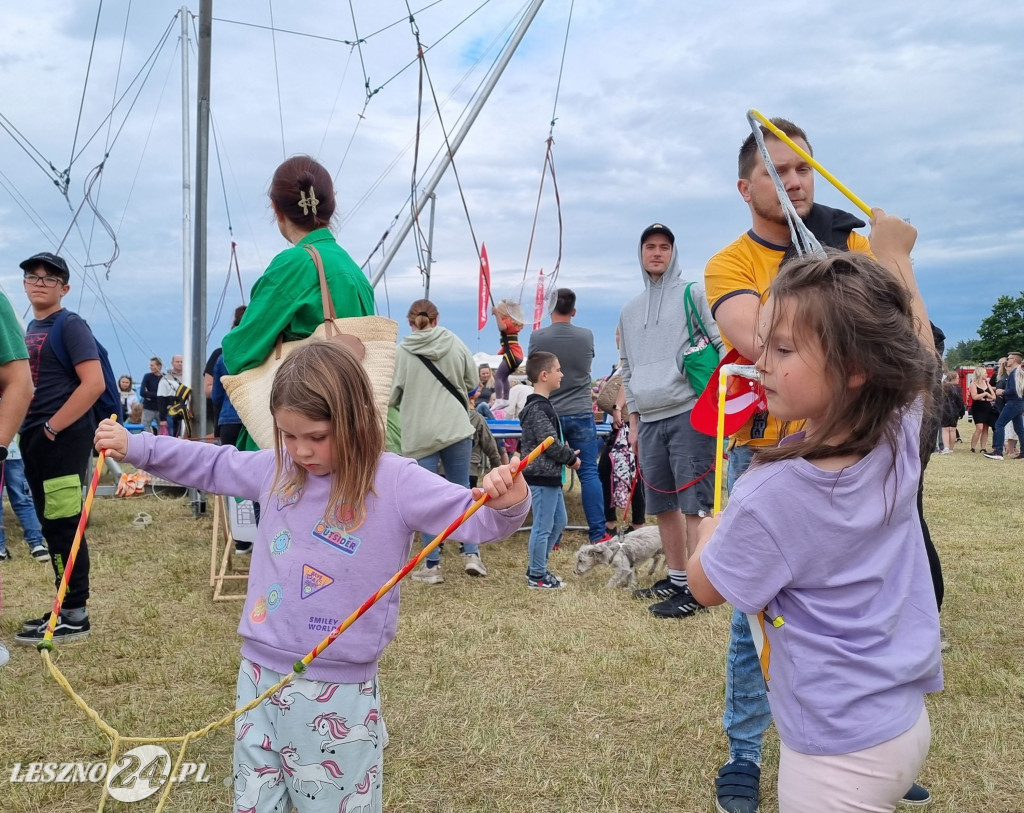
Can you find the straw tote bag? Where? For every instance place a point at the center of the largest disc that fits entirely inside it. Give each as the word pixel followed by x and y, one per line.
pixel 372 339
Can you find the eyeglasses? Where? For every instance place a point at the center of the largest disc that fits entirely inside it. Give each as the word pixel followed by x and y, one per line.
pixel 46 282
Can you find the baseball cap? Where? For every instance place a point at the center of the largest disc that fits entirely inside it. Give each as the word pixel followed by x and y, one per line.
pixel 657 228
pixel 46 258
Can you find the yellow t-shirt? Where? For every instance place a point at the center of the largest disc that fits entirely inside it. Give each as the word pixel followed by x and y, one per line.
pixel 748 266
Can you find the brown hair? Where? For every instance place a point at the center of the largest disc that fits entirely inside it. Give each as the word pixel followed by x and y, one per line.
pixel 749 152
pixel 300 186
pixel 421 313
pixel 862 316
pixel 537 362
pixel 323 381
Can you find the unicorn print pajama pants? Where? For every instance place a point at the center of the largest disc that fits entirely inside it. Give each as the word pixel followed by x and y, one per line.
pixel 312 745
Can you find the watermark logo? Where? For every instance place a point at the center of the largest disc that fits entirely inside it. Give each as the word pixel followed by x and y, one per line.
pixel 135 775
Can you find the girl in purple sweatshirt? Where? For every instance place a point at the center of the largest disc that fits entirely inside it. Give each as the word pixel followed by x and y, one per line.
pixel 338 518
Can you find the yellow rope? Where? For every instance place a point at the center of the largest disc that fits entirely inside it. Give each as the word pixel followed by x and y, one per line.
pixel 116 738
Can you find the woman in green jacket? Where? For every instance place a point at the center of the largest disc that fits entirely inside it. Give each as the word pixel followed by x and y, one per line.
pixel 285 301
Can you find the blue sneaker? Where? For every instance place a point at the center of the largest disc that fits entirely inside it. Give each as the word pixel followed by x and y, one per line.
pixel 917 796
pixel 738 787
pixel 548 581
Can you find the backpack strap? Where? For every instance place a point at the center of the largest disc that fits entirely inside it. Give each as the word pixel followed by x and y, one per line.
pixel 691 314
pixel 55 339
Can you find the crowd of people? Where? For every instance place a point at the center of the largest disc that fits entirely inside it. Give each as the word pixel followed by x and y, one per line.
pixel 823 550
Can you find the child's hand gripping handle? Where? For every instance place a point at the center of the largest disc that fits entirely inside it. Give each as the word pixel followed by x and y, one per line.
pixel 300 666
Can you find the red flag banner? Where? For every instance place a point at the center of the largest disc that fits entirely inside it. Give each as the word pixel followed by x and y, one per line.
pixel 484 289
pixel 538 302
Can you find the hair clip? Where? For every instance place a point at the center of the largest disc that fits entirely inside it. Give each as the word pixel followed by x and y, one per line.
pixel 308 203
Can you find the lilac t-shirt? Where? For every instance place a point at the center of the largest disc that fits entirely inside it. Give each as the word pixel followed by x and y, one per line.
pixel 857 646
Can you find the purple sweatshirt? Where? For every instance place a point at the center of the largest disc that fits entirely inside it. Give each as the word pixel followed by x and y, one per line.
pixel 837 561
pixel 307 575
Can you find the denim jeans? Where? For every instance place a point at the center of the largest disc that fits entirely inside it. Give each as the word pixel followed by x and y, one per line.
pixel 549 520
pixel 747 714
pixel 455 459
pixel 1012 412
pixel 20 496
pixel 580 433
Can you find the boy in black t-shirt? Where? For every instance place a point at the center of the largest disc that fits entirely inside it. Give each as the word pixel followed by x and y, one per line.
pixel 56 437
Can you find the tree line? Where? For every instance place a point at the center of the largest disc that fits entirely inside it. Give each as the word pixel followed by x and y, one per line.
pixel 1001 331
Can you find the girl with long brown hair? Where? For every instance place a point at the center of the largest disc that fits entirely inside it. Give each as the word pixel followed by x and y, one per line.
pixel 338 522
pixel 822 544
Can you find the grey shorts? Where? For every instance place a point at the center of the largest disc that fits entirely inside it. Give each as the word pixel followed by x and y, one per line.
pixel 672 454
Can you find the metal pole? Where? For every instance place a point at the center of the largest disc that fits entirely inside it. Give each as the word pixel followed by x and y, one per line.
pixel 455 142
pixel 186 217
pixel 430 246
pixel 198 383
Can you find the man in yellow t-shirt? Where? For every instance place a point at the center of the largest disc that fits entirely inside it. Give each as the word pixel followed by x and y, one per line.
pixel 737 279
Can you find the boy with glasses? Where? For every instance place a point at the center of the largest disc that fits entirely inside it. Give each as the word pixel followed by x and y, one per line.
pixel 56 437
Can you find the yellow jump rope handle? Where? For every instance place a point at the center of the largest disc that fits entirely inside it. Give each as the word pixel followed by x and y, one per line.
pixel 785 139
pixel 723 378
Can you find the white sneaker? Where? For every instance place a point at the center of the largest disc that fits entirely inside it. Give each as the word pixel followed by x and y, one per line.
pixel 427 575
pixel 474 566
pixel 4 655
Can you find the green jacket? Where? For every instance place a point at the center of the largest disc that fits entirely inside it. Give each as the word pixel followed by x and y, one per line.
pixel 286 299
pixel 431 417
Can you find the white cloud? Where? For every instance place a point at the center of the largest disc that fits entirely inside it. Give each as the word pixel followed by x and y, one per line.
pixel 918 113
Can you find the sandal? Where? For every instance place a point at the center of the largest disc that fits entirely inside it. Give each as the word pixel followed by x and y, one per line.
pixel 142 521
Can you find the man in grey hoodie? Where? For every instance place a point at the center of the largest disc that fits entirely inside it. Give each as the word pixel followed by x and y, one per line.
pixel 676 461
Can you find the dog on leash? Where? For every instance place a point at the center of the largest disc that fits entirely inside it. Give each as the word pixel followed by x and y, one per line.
pixel 624 554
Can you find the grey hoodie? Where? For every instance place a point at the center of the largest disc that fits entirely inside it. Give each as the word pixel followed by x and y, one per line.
pixel 653 331
pixel 431 417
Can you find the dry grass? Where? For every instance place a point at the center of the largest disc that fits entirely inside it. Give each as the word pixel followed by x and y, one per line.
pixel 498 698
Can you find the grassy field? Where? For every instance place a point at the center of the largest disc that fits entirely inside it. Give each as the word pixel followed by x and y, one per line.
pixel 497 698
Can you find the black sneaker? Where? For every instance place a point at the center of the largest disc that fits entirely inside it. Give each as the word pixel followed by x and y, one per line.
pixel 32 623
pixel 546 582
pixel 737 787
pixel 5 556
pixel 40 553
pixel 679 605
pixel 66 630
pixel 663 588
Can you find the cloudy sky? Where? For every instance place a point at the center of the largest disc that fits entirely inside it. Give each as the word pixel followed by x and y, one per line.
pixel 918 109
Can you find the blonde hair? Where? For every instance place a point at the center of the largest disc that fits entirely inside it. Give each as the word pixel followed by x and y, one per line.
pixel 323 381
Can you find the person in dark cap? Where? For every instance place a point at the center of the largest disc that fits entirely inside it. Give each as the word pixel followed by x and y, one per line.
pixel 676 461
pixel 56 436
